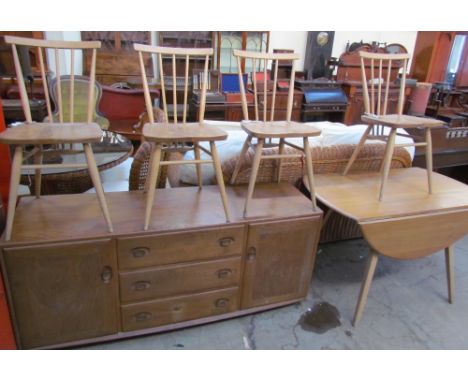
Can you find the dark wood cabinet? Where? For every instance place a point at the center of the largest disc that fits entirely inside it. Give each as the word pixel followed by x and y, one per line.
pixel 62 292
pixel 279 260
pixel 355 109
pixel 191 267
pixel 117 61
pixel 233 111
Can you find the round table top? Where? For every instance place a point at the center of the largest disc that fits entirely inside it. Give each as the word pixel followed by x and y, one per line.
pixel 112 150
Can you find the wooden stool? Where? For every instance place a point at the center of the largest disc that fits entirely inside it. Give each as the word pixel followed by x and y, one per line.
pixel 268 130
pixel 57 134
pixel 179 136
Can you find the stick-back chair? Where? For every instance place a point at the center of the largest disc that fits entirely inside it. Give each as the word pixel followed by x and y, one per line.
pixel 375 71
pixel 178 135
pixel 52 132
pixel 264 126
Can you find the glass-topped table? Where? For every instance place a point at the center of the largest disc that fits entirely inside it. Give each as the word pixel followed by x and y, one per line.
pixel 112 150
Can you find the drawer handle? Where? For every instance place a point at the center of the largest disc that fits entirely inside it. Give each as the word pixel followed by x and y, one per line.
pixel 106 274
pixel 143 316
pixel 226 241
pixel 251 254
pixel 140 252
pixel 223 273
pixel 222 302
pixel 141 285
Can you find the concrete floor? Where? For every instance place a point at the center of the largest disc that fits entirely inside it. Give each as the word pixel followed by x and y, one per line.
pixel 407 308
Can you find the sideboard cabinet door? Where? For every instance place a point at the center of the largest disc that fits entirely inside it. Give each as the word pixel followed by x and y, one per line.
pixel 279 261
pixel 63 292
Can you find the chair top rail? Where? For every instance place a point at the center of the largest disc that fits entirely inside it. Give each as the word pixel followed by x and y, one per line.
pixel 267 56
pixel 52 44
pixel 385 56
pixel 172 51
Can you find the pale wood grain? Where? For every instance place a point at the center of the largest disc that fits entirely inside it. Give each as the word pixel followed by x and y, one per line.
pixel 366 283
pixel 193 132
pixel 51 133
pixel 279 129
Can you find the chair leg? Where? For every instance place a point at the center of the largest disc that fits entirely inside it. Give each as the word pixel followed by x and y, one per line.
pixel 365 286
pixel 38 174
pixel 450 273
pixel 196 149
pixel 357 149
pixel 387 161
pixel 253 174
pixel 310 172
pixel 149 169
pixel 279 161
pixel 429 158
pixel 13 193
pixel 219 179
pixel 245 147
pixel 94 173
pixel 153 178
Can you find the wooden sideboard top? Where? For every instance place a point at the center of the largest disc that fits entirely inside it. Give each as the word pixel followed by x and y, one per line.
pixel 356 195
pixel 69 217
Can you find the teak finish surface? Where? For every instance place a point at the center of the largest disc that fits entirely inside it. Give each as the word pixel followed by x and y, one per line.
pixel 51 133
pixel 396 120
pixel 48 283
pixel 279 129
pixel 401 225
pixel 47 218
pixel 191 267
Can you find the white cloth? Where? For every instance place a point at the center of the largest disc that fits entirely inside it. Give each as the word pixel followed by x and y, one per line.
pixel 332 134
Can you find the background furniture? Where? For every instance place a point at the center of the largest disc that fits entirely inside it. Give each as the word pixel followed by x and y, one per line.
pixel 116 61
pixel 409 225
pixel 80 97
pixel 39 134
pixel 178 136
pixel 190 268
pixel 432 58
pixel 232 111
pixel 376 113
pixel 112 150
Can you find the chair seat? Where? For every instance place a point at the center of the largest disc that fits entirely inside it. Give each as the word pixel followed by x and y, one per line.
pixel 188 132
pixel 51 133
pixel 279 129
pixel 396 121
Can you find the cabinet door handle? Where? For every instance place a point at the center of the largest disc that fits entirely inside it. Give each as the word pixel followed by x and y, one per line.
pixel 251 254
pixel 222 302
pixel 223 273
pixel 106 274
pixel 226 241
pixel 140 251
pixel 143 316
pixel 141 285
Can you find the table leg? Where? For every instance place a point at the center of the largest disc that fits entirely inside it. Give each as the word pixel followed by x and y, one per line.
pixel 366 283
pixel 450 273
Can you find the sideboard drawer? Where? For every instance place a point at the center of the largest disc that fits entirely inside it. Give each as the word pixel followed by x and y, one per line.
pixel 144 251
pixel 171 310
pixel 182 278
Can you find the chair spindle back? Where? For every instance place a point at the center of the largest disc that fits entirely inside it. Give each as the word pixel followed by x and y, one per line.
pixel 263 59
pixel 42 46
pixel 385 61
pixel 174 54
